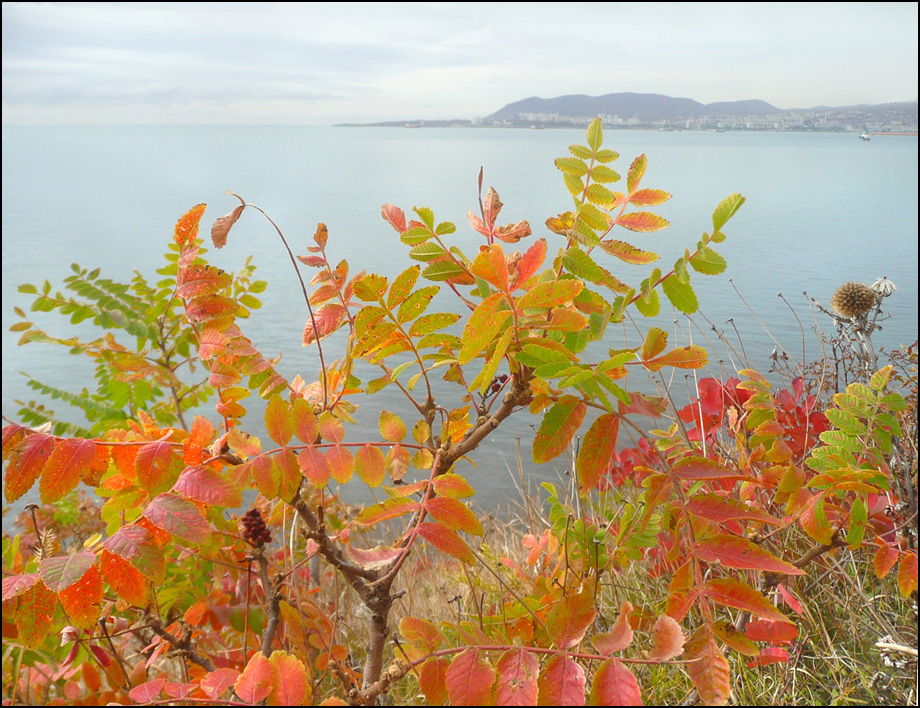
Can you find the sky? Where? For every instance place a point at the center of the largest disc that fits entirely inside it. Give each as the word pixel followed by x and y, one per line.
pixel 327 63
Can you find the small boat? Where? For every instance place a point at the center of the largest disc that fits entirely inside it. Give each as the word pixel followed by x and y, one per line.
pixel 864 136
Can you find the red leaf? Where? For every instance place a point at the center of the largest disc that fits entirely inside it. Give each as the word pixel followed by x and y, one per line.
pixel 668 639
pixel 790 600
pixel 135 544
pixel 153 464
pixel 558 428
pixel 218 681
pixel 200 279
pixel 734 593
pixel 707 667
pixel 328 319
pixel 147 692
pixel 770 631
pixel 447 541
pixel 16 585
pixel 615 685
pixel 25 464
pixel 314 466
pixel 207 486
pixel 720 509
pixel 293 686
pixel 82 601
pixel 770 655
pixel 394 216
pixel 570 619
pixel 127 582
pixel 257 679
pixel 596 451
pixel 562 683
pixel 618 638
pixel 179 517
pixel 738 552
pixel 517 678
pixel 884 559
pixel 60 572
pixel 530 262
pixel 69 461
pixel 469 679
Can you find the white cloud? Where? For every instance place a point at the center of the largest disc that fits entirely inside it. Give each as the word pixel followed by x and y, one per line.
pixel 334 62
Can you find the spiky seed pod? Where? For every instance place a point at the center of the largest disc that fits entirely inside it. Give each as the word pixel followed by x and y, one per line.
pixel 853 300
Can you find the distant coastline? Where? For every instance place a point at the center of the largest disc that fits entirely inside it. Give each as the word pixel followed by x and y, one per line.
pixel 634 111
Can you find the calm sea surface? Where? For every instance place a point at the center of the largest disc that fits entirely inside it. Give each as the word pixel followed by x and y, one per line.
pixel 821 210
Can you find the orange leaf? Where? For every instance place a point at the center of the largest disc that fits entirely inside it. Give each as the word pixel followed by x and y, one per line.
pixel 67 464
pixel 517 678
pixel 369 463
pixel 391 426
pixel 387 509
pixel 394 216
pixel 293 685
pixel 33 614
pixel 82 601
pixel 707 667
pixel 433 680
pixel 454 514
pixel 718 508
pixel 447 541
pixel 187 226
pixel 642 221
pixel 907 573
pixel 562 683
pixel 618 638
pixel 421 633
pixel 135 544
pixel 153 465
pixel 148 691
pixel 257 679
pixel 125 580
pixel 615 685
pixel 694 468
pixel 278 420
pixel 627 252
pixel 201 433
pixel 770 631
pixel 688 357
pixel 328 319
pixel 469 679
pixel 596 451
pixel 341 463
pixel 570 619
pixel 305 425
pixel 668 639
pixel 884 559
pixel 770 655
pixel 487 320
pixel 648 197
pixel 453 486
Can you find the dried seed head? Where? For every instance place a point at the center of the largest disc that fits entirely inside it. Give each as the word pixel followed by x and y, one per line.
pixel 853 300
pixel 883 287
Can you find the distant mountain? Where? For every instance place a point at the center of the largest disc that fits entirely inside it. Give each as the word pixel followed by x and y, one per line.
pixel 644 106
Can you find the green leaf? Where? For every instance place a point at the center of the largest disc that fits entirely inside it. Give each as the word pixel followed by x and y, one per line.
pixel 443 270
pixel 628 253
pixel 595 135
pixel 680 294
pixel 725 211
pixel 580 151
pixel 558 428
pixel 402 286
pixel 707 261
pixel 606 156
pixel 603 174
pixel 487 320
pixel 648 304
pixel 426 215
pixel 572 166
pixel 427 251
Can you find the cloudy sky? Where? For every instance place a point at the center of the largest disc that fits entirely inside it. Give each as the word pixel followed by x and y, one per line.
pixel 324 63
